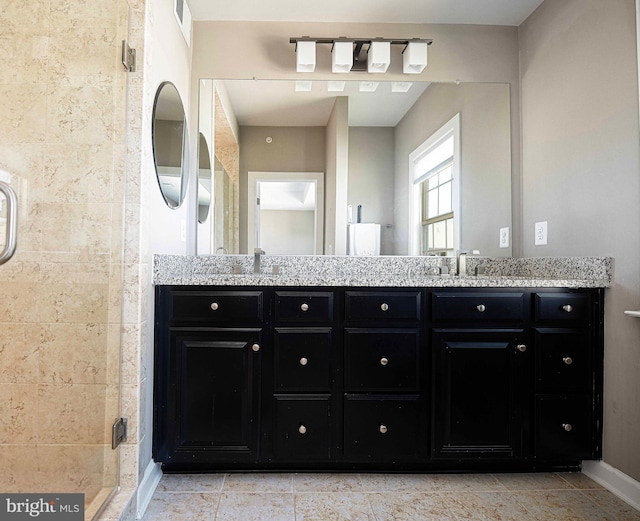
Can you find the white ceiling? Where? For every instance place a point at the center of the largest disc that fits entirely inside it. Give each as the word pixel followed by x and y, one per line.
pixel 276 103
pixel 485 12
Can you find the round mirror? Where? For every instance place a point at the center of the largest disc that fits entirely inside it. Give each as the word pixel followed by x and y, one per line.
pixel 169 135
pixel 204 179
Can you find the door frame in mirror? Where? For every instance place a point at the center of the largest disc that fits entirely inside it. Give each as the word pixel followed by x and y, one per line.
pixel 315 177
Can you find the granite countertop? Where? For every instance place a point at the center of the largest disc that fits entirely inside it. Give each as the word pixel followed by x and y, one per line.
pixel 383 271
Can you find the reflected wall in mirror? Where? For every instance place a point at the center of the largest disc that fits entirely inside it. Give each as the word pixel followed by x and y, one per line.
pixel 204 179
pixel 169 135
pixel 227 153
pixel 219 233
pixel 284 130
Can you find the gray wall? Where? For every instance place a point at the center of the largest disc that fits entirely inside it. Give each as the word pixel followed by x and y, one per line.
pixel 293 149
pixel 371 160
pixel 285 232
pixel 580 168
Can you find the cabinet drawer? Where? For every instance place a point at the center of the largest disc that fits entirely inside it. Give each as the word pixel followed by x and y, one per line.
pixel 478 307
pixel 303 358
pixel 218 306
pixel 381 359
pixel 303 427
pixel 563 426
pixel 563 360
pixel 562 307
pixel 304 306
pixel 382 428
pixel 382 306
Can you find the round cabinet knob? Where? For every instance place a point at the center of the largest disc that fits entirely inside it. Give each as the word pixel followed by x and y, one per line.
pixel 567 427
pixel 521 347
pixel 304 307
pixel 214 306
pixel 567 360
pixel 384 306
pixel 384 361
pixel 568 308
pixel 302 429
pixel 304 361
pixel 256 347
pixel 481 308
pixel 383 429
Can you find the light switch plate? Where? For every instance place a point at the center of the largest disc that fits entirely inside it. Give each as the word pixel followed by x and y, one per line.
pixel 540 234
pixel 504 237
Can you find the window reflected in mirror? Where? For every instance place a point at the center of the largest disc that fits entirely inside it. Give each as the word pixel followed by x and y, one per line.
pixel 436 181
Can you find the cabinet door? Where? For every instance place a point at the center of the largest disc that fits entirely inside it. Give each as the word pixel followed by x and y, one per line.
pixel 564 427
pixel 563 360
pixel 380 360
pixel 303 427
pixel 303 359
pixel 480 388
pixel 383 428
pixel 214 394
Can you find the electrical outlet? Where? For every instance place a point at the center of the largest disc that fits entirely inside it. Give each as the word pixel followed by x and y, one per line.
pixel 504 237
pixel 540 234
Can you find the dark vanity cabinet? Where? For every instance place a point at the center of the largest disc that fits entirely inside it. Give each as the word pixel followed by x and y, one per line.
pixel 343 378
pixel 207 375
pixel 568 369
pixel 481 362
pixel 304 392
pixel 384 413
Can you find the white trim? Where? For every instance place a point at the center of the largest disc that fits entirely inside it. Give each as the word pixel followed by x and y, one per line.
pixel 615 481
pixel 147 487
pixel 450 127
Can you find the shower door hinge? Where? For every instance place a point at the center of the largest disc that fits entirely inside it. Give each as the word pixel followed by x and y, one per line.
pixel 119 432
pixel 128 57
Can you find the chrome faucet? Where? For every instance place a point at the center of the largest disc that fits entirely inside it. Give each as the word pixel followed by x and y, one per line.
pixel 462 264
pixel 462 261
pixel 257 252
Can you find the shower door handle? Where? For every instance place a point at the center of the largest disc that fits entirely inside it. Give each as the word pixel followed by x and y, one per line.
pixel 12 223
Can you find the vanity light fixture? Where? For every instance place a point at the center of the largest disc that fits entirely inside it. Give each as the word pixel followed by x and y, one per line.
pixel 342 56
pixel 414 57
pixel 303 86
pixel 305 56
pixel 368 86
pixel 379 56
pixel 336 86
pixel 401 86
pixel 361 54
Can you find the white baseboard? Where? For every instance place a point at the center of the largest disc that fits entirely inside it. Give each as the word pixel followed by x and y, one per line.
pixel 617 482
pixel 147 487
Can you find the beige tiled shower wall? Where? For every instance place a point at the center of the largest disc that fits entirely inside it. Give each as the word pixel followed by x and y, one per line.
pixel 63 95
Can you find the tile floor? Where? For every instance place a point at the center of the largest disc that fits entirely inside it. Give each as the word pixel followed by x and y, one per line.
pixel 385 497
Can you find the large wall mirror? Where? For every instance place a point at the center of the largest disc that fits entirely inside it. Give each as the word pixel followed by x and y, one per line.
pixel 290 126
pixel 169 135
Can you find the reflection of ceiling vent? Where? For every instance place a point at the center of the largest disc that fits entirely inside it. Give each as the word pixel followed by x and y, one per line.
pixel 183 15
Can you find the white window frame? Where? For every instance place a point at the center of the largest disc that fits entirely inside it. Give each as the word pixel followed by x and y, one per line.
pixel 451 128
